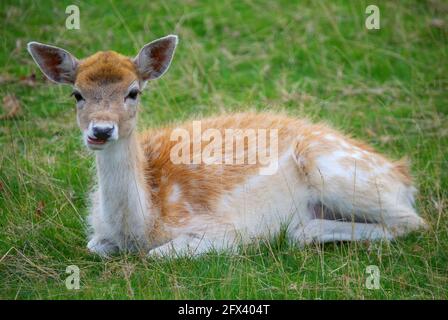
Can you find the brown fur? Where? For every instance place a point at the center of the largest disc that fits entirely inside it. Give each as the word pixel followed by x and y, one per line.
pixel 106 67
pixel 202 184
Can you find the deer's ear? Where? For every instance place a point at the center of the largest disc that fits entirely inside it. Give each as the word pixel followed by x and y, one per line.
pixel 56 63
pixel 154 58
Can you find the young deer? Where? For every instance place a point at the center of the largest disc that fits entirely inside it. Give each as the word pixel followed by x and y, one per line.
pixel 328 187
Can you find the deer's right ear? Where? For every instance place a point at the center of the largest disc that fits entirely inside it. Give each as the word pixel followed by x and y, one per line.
pixel 56 63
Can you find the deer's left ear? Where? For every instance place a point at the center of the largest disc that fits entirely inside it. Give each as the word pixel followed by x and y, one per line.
pixel 57 64
pixel 154 58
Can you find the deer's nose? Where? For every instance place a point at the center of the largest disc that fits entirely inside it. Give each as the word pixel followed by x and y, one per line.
pixel 103 132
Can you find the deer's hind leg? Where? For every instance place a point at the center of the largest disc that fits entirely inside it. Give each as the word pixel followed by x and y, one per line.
pixel 369 196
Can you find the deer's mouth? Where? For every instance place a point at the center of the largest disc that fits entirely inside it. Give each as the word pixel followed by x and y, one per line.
pixel 96 141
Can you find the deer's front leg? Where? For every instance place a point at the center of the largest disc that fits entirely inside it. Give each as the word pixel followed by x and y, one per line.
pixel 194 244
pixel 100 241
pixel 102 247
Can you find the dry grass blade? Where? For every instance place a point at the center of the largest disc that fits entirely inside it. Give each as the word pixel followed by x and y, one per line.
pixel 11 107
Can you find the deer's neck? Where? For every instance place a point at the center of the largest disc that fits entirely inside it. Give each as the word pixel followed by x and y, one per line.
pixel 124 200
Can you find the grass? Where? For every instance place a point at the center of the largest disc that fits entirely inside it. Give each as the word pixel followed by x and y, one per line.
pixel 314 58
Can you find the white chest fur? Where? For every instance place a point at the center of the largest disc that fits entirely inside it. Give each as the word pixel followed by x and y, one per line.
pixel 123 202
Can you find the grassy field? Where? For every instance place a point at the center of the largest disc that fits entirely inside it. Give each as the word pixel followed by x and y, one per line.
pixel 313 58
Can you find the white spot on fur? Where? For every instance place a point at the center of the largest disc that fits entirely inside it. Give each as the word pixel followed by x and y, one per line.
pixel 357 155
pixel 339 154
pixel 189 208
pixel 174 194
pixel 345 144
pixel 330 165
pixel 301 162
pixel 379 170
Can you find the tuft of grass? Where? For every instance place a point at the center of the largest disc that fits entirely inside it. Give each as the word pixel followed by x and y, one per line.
pixel 314 58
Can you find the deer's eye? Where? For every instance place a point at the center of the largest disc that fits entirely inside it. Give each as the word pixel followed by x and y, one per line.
pixel 133 94
pixel 77 96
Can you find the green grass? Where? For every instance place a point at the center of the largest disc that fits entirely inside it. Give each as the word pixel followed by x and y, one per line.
pixel 314 58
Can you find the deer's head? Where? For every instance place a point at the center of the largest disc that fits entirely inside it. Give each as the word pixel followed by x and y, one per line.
pixel 106 85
